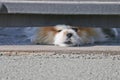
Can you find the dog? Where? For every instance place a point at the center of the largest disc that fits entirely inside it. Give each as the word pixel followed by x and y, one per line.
pixel 66 35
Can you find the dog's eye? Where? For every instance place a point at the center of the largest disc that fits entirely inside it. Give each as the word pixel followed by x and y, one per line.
pixel 59 30
pixel 75 29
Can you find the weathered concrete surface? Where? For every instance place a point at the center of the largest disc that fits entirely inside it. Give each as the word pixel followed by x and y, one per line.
pixel 62 7
pixel 113 50
pixel 60 0
pixel 42 65
pixel 98 13
pixel 59 63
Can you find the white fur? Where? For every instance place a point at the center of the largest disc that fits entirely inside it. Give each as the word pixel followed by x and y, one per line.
pixel 60 38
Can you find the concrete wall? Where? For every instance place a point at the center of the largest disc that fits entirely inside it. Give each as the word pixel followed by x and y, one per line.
pixel 24 14
pixel 59 66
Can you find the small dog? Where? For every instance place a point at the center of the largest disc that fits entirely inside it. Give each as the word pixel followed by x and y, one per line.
pixel 65 35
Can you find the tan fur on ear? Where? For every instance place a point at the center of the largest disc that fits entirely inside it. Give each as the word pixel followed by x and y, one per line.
pixel 88 31
pixel 86 34
pixel 45 35
pixel 91 35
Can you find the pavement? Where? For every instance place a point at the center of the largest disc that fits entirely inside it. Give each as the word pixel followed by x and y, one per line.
pixel 27 62
pixel 113 50
pixel 60 67
pixel 60 0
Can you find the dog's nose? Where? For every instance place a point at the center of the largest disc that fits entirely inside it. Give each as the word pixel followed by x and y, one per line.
pixel 69 35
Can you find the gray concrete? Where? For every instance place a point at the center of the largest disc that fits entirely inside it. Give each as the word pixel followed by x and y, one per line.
pixel 63 7
pixel 44 13
pixel 63 0
pixel 32 20
pixel 3 9
pixel 59 66
pixel 59 63
pixel 91 49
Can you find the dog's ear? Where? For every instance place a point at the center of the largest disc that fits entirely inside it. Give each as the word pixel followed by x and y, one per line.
pixel 75 29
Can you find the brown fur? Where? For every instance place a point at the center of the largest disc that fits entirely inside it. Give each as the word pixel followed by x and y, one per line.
pixel 88 31
pixel 86 34
pixel 44 33
pixel 46 30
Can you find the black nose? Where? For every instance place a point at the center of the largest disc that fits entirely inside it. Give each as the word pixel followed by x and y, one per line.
pixel 69 35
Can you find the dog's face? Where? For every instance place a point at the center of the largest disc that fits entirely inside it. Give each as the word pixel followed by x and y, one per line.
pixel 66 36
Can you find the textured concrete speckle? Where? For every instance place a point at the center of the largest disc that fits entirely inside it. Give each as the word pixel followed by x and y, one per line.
pixel 60 67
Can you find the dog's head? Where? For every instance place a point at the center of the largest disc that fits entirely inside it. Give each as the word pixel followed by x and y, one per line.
pixel 66 36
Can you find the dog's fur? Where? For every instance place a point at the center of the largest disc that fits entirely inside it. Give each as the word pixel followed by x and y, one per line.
pixel 65 35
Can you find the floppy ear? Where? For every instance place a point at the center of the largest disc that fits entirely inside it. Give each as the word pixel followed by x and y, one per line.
pixel 75 29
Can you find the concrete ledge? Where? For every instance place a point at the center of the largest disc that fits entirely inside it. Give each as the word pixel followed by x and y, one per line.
pixel 17 50
pixel 63 7
pixel 30 20
pixel 25 13
pixel 59 63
